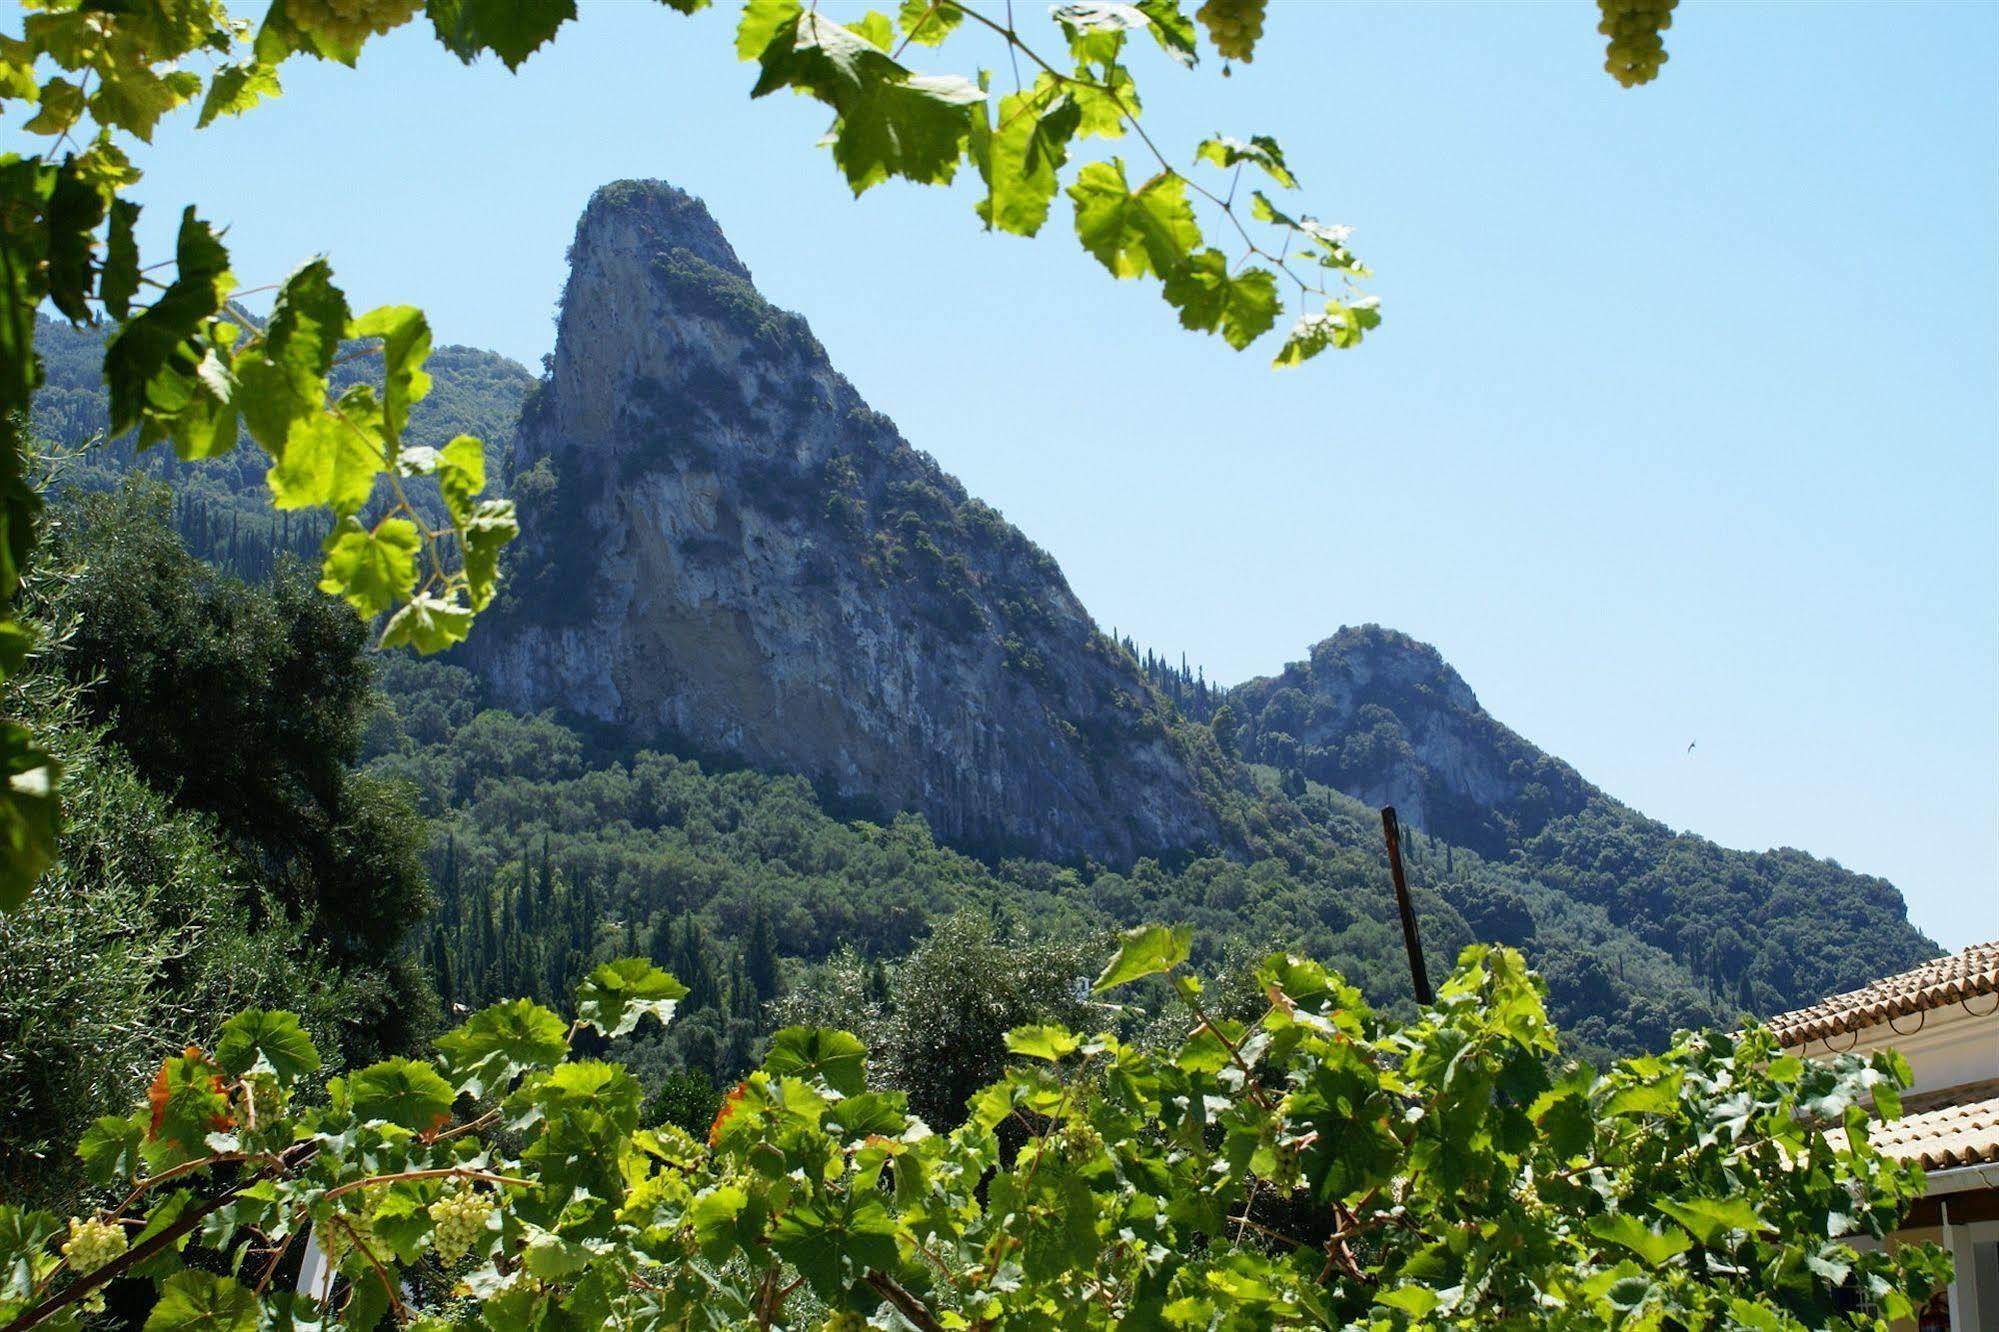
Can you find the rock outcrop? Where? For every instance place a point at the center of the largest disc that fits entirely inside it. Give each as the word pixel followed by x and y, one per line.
pixel 1384 718
pixel 726 549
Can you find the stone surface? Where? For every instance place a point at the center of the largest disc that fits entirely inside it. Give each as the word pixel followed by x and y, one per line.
pixel 724 548
pixel 1385 718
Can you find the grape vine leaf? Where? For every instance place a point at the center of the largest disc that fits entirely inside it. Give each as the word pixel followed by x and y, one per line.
pixel 615 996
pixel 372 568
pixel 270 1036
pixel 1260 150
pixel 30 815
pixel 428 624
pixel 1133 232
pixel 118 282
pixel 834 1057
pixel 237 88
pixel 1146 950
pixel 928 22
pixel 1708 1219
pixel 714 1216
pixel 1043 1041
pixel 138 351
pixel 1021 156
pixel 1242 306
pixel 1339 325
pixel 1653 1247
pixel 834 1246
pixel 492 526
pixel 513 30
pixel 401 1091
pixel 461 475
pixel 499 1043
pixel 331 458
pixel 110 1149
pixel 890 122
pixel 194 1301
pixel 405 335
pixel 308 319
pixel 1173 29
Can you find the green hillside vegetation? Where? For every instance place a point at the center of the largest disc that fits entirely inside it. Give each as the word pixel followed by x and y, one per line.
pixel 552 846
pixel 1761 930
pixel 219 851
pixel 221 506
pixel 550 856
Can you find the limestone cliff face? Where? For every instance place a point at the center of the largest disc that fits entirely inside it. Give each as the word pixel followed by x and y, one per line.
pixel 724 547
pixel 1386 719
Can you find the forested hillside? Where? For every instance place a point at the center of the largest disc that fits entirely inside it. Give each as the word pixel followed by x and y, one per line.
pixel 221 506
pixel 1384 718
pixel 413 834
pixel 221 848
pixel 550 854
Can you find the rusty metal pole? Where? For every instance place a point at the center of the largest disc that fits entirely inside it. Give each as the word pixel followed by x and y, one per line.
pixel 1419 975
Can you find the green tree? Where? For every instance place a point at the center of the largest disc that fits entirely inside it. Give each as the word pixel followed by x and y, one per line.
pixel 246 704
pixel 760 958
pixel 151 933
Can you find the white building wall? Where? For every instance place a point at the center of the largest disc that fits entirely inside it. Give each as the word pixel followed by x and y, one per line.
pixel 1945 1046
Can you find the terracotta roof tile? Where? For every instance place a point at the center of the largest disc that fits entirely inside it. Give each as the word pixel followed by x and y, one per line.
pixel 1955 1134
pixel 1967 974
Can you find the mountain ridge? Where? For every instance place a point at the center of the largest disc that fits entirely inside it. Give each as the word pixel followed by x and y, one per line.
pixel 727 554
pixel 1382 717
pixel 725 546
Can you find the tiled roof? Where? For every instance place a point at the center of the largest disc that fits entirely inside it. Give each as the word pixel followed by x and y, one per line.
pixel 1967 974
pixel 1958 1126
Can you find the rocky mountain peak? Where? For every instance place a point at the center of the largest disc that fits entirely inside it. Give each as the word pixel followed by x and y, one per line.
pixel 1383 717
pixel 725 548
pixel 643 218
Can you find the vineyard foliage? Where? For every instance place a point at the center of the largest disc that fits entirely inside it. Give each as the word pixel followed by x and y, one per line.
pixel 1315 1167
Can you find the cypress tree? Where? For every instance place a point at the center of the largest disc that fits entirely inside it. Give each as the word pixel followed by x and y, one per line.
pixel 447 989
pixel 760 954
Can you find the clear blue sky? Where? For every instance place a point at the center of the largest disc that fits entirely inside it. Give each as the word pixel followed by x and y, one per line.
pixel 1683 426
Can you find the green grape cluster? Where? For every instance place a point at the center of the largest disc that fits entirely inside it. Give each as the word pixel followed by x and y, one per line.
pixel 351 1229
pixel 92 1244
pixel 349 22
pixel 1081 1141
pixel 844 1321
pixel 267 1100
pixel 1636 50
pixel 460 1218
pixel 1234 26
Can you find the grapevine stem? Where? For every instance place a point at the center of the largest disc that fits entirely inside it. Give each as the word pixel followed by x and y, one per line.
pixel 470 1126
pixel 381 1273
pixel 905 1303
pixel 929 12
pixel 278 1254
pixel 452 1173
pixel 185 1224
pixel 1012 46
pixel 184 1168
pixel 1250 1083
pixel 1262 1229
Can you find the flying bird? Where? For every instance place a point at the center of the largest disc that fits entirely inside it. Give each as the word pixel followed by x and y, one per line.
pixel 1690 746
